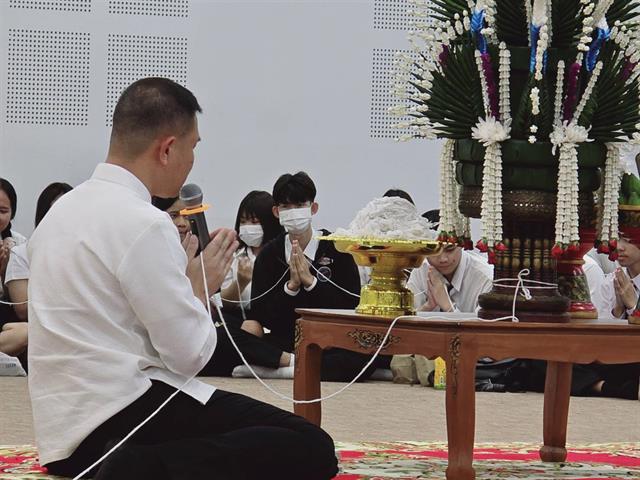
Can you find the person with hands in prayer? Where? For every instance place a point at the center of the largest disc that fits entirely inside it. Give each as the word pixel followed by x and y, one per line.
pixel 451 281
pixel 300 271
pixel 619 291
pixel 124 327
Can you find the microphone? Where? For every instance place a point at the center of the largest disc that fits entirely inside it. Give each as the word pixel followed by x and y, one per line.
pixel 191 195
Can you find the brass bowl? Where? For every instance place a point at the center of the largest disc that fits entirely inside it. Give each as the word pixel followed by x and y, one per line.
pixel 387 294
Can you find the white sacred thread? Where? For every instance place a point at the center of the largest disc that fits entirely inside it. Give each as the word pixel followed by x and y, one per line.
pixel 512 317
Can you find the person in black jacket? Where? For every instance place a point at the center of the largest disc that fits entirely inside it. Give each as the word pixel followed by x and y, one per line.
pixel 299 271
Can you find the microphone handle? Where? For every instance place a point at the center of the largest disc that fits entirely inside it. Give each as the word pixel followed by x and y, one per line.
pixel 199 227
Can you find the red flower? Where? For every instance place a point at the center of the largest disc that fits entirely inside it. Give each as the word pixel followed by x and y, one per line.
pixel 613 243
pixel 613 256
pixel 604 247
pixel 468 244
pixel 574 247
pixel 492 256
pixel 557 250
pixel 482 245
pixel 501 247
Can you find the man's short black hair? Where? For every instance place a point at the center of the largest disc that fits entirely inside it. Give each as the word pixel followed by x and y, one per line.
pixel 396 192
pixel 149 107
pixel 293 189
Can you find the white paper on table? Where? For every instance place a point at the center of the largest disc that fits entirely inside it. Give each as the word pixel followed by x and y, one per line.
pixel 10 366
pixel 451 316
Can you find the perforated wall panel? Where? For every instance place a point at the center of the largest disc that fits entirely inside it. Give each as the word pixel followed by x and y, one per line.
pixel 48 77
pixel 381 97
pixel 132 57
pixel 164 8
pixel 63 5
pixel 391 15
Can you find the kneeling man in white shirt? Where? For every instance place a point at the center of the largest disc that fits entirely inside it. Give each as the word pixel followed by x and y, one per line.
pixel 118 323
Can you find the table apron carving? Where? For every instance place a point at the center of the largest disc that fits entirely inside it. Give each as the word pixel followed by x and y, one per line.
pixel 370 340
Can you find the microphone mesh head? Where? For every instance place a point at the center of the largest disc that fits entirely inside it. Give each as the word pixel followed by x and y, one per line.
pixel 191 195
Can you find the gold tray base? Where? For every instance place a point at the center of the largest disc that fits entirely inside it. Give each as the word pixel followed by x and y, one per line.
pixel 385 302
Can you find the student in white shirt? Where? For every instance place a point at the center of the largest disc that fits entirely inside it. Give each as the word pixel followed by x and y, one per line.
pixel 17 274
pixel 619 292
pixel 616 297
pixel 118 323
pixel 9 238
pixel 14 335
pixel 451 281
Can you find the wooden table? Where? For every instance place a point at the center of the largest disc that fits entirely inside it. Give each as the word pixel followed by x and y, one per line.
pixel 461 344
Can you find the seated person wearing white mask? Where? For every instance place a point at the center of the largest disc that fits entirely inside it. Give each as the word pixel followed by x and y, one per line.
pixel 225 358
pixel 302 286
pixel 256 226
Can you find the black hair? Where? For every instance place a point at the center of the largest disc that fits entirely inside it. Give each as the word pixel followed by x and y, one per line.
pixel 297 188
pixel 433 216
pixel 163 204
pixel 260 204
pixel 47 197
pixel 396 192
pixel 7 188
pixel 151 106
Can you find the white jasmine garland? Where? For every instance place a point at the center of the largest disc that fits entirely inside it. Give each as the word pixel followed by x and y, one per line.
pixel 613 175
pixel 535 101
pixel 483 82
pixel 557 107
pixel 491 133
pixel 588 91
pixel 504 71
pixel 567 137
pixel 450 221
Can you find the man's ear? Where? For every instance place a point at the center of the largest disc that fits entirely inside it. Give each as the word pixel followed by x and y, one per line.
pixel 314 208
pixel 275 211
pixel 164 149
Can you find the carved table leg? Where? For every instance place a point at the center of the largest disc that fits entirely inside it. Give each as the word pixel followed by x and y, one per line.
pixel 556 410
pixel 306 381
pixel 461 411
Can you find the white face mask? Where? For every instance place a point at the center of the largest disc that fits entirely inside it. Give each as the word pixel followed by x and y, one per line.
pixel 296 220
pixel 252 235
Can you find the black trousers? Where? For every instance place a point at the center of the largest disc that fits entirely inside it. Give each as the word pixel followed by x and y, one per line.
pixel 620 380
pixel 231 437
pixel 225 358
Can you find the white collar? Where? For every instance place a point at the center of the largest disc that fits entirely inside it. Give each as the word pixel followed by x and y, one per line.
pixel 310 251
pixel 109 172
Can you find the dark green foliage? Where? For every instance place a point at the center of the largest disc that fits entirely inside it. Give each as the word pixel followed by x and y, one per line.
pixel 456 98
pixel 511 22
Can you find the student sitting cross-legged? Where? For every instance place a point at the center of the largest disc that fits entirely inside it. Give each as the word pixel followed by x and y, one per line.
pixel 304 272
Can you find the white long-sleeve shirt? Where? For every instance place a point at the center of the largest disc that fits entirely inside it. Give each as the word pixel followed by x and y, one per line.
pixel 473 277
pixel 110 309
pixel 605 301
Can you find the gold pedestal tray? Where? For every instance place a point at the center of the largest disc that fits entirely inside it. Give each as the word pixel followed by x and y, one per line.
pixel 387 294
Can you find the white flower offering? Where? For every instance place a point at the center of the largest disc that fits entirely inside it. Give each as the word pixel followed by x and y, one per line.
pixel 389 218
